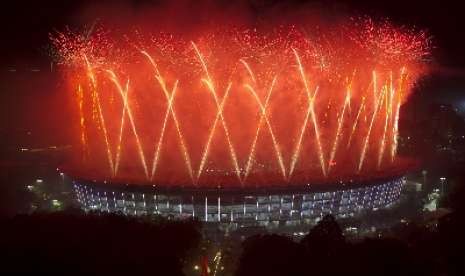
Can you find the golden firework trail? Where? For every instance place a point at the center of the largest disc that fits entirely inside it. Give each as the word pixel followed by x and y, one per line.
pixel 252 149
pixel 339 129
pixel 170 100
pixel 263 116
pixel 375 88
pixel 367 138
pixel 295 155
pixel 101 118
pixel 120 136
pixel 212 132
pixel 383 139
pixel 249 70
pixel 126 106
pixel 82 123
pixel 209 82
pixel 354 126
pixel 270 129
pixel 260 123
pixel 312 113
pixel 395 131
pixel 156 155
pixel 388 115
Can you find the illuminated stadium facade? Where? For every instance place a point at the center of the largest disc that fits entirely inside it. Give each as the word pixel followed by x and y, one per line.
pixel 265 207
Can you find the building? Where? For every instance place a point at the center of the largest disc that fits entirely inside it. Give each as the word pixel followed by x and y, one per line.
pixel 237 207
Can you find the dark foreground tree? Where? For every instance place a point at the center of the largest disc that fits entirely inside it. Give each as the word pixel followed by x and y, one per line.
pixel 380 257
pixel 96 244
pixel 270 255
pixel 325 239
pixel 325 244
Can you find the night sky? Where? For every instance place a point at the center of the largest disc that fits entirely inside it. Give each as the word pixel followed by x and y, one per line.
pixel 25 26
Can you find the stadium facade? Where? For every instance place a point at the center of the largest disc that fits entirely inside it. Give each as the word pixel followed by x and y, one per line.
pixel 250 206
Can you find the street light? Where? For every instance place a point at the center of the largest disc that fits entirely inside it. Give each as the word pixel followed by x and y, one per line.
pixel 442 180
pixel 424 173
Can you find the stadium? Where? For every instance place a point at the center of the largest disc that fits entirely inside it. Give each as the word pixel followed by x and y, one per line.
pixel 241 125
pixel 269 207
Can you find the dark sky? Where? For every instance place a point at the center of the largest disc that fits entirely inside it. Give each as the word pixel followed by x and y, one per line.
pixel 25 24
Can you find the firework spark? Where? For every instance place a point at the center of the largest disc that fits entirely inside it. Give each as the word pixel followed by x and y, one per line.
pixel 312 113
pixel 302 92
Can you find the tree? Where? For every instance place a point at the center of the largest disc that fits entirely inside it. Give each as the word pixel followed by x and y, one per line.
pixel 91 244
pixel 325 239
pixel 270 255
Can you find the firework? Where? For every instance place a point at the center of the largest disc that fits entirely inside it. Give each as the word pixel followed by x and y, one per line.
pixel 242 106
